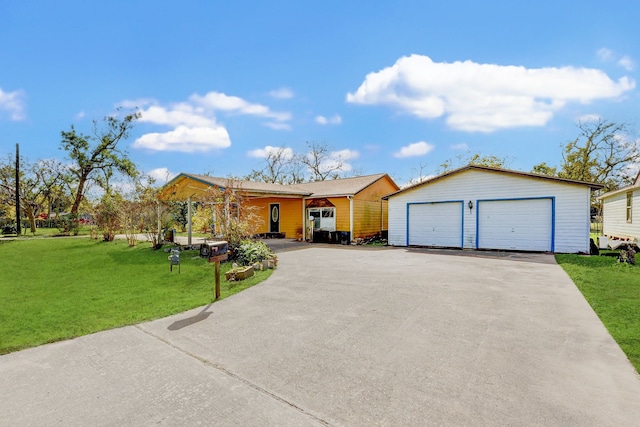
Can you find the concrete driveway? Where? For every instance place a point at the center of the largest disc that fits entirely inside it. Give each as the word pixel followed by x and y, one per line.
pixel 346 336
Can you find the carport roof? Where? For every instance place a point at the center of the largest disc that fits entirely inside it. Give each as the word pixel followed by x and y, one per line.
pixel 592 185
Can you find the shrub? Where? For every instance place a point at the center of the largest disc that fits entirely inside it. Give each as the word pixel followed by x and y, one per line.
pixel 252 251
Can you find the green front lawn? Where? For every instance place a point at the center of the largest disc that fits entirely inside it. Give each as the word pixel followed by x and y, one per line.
pixel 613 291
pixel 83 230
pixel 58 288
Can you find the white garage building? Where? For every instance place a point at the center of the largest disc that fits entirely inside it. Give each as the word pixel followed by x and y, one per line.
pixel 478 207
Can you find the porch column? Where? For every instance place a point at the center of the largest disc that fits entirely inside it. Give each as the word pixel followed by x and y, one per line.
pixel 304 219
pixel 189 221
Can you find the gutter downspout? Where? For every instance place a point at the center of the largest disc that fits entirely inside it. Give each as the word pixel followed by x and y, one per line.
pixel 381 216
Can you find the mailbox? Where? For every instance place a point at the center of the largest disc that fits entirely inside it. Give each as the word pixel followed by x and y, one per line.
pixel 213 249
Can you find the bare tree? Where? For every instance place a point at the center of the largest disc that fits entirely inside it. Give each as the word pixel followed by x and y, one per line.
pixel 278 169
pixel 320 163
pixel 418 174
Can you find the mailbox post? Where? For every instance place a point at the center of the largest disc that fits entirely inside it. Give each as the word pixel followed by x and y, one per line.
pixel 215 252
pixel 174 259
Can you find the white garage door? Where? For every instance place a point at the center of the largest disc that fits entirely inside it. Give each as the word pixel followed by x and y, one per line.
pixel 435 224
pixel 524 225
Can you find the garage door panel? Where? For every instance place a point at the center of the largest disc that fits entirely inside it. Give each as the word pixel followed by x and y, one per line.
pixel 515 224
pixel 435 224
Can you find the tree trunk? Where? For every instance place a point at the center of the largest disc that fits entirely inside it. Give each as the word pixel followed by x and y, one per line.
pixel 32 218
pixel 79 194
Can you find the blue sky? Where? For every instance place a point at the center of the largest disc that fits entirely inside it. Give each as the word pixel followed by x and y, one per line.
pixel 394 87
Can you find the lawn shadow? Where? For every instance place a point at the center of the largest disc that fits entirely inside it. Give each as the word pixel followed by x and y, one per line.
pixel 183 323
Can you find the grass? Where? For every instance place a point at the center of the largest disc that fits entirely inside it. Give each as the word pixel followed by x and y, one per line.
pixel 613 291
pixel 46 232
pixel 56 289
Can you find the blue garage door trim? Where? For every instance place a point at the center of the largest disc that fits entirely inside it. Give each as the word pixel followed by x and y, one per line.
pixel 434 203
pixel 553 215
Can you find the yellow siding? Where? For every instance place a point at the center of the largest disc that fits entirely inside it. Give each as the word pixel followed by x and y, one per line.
pixel 342 212
pixel 290 215
pixel 369 210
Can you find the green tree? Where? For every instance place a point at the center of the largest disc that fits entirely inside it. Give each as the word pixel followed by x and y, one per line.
pixel 473 159
pixel 544 169
pixel 107 215
pixel 37 181
pixel 601 153
pixel 179 211
pixel 97 156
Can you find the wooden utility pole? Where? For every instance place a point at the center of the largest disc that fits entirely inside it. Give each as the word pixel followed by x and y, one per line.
pixel 18 214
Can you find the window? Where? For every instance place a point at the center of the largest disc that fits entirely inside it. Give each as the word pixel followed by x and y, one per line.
pixel 323 218
pixel 629 205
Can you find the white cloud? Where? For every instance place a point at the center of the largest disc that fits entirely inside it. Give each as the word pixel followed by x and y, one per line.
pixel 263 153
pixel 137 103
pixel 335 120
pixel 194 124
pixel 13 103
pixel 282 93
pixel 339 160
pixel 627 63
pixel 162 175
pixel 460 147
pixel 484 97
pixel 585 118
pixel 221 102
pixel 605 54
pixel 345 154
pixel 416 149
pixel 278 125
pixel 176 115
pixel 186 139
pixel 608 55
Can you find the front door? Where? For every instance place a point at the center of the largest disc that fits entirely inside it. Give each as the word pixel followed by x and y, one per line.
pixel 274 218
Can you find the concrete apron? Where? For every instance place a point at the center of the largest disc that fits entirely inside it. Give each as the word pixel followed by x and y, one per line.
pixel 346 336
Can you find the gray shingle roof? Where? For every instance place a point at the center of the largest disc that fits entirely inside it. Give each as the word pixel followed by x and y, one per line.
pixel 335 187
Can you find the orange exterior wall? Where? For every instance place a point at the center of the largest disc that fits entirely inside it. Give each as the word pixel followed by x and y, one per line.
pixel 290 214
pixel 369 210
pixel 342 212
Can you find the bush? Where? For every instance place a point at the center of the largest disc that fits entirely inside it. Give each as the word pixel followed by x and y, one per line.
pixel 252 251
pixel 9 229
